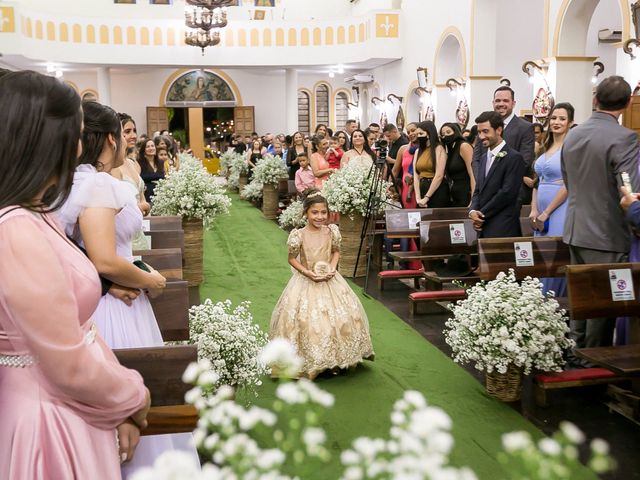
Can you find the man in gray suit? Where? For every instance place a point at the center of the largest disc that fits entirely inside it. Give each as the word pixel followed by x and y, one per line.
pixel 594 155
pixel 518 135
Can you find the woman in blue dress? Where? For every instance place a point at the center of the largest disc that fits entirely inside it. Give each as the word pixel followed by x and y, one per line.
pixel 549 200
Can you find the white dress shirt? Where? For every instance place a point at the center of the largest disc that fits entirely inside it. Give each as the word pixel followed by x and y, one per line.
pixel 491 155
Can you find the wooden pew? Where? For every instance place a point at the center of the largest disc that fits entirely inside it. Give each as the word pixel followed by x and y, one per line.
pixel 167 261
pixel 162 369
pixel 166 239
pixel 171 310
pixel 164 222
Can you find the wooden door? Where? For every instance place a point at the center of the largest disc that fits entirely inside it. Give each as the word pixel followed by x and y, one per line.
pixel 631 117
pixel 244 120
pixel 157 119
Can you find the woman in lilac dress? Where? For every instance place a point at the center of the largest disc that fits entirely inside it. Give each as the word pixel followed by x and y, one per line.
pixel 549 200
pixel 102 215
pixel 65 400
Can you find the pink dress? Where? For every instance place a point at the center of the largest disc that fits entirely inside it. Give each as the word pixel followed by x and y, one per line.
pixel 407 160
pixel 57 415
pixel 322 164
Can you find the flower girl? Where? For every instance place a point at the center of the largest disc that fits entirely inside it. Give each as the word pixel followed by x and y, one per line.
pixel 317 311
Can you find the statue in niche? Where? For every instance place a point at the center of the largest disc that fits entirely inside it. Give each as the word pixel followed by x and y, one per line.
pixel 462 114
pixel 198 87
pixel 542 105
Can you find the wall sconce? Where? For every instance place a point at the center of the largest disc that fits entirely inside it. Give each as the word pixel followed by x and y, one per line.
pixel 530 67
pixel 505 82
pixel 423 76
pixel 635 17
pixel 453 84
pixel 393 95
pixel 355 95
pixel 378 102
pixel 598 68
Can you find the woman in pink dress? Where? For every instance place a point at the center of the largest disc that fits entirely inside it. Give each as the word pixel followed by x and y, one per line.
pixel 319 164
pixel 64 398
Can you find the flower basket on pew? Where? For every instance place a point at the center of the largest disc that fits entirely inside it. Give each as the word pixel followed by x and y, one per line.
pixel 226 159
pixel 508 328
pixel 193 194
pixel 269 171
pixel 292 216
pixel 347 192
pixel 238 171
pixel 242 182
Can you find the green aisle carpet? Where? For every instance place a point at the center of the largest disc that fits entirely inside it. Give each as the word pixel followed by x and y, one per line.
pixel 246 259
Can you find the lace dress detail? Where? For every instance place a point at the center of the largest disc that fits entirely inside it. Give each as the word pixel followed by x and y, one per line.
pixel 325 320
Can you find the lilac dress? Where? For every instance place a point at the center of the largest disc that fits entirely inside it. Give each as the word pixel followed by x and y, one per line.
pixel 548 170
pixel 120 325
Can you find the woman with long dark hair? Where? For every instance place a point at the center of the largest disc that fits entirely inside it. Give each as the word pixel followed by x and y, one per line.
pixel 294 150
pixel 151 169
pixel 458 172
pixel 429 163
pixel 359 149
pixel 64 396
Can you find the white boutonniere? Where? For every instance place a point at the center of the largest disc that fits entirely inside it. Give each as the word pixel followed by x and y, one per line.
pixel 500 154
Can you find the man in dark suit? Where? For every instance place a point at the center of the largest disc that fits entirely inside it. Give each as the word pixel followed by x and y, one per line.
pixel 519 135
pixel 494 208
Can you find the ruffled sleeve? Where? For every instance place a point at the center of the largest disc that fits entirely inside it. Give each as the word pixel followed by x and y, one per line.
pixel 92 189
pixel 294 242
pixel 336 238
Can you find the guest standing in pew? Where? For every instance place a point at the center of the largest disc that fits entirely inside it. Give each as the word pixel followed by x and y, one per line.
pixel 151 169
pixel 292 154
pixel 459 171
pixel 429 164
pixel 305 179
pixel 102 215
pixel 549 199
pixel 63 395
pixel 317 311
pixel 631 206
pixel 494 205
pixel 593 156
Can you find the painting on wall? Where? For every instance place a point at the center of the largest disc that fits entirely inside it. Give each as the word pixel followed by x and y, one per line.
pixel 198 87
pixel 265 3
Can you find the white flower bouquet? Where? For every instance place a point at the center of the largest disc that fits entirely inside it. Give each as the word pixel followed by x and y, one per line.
pixel 226 159
pixel 237 166
pixel 270 170
pixel 253 191
pixel 504 322
pixel 230 340
pixel 291 217
pixel 347 190
pixel 190 192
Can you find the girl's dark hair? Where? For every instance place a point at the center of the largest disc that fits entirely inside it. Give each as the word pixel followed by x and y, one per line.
pixel 319 126
pixel 432 133
pixel 145 166
pixel 457 136
pixel 315 142
pixel 40 123
pixel 366 147
pixel 473 134
pixel 548 140
pixel 100 121
pixel 125 118
pixel 310 197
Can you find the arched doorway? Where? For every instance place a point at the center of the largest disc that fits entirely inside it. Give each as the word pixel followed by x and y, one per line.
pixel 450 62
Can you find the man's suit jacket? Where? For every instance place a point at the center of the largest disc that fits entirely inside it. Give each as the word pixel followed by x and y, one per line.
pixel 593 155
pixel 496 194
pixel 518 134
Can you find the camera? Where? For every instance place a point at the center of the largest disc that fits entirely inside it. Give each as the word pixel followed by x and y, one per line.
pixel 382 148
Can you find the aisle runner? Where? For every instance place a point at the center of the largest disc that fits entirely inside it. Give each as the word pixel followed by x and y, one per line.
pixel 246 259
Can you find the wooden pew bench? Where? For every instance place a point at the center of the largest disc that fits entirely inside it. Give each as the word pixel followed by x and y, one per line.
pixel 164 222
pixel 162 369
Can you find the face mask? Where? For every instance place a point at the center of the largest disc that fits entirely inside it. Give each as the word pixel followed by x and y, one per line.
pixel 448 139
pixel 423 142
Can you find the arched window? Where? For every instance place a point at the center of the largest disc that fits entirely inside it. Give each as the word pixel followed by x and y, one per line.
pixel 322 105
pixel 342 110
pixel 303 112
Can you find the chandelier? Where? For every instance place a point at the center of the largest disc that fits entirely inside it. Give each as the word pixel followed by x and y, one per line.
pixel 204 18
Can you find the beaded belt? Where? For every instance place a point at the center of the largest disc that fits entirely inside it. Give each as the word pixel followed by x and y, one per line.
pixel 22 361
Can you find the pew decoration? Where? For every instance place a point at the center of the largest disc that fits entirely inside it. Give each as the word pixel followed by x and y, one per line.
pixel 253 192
pixel 228 338
pixel 268 172
pixel 195 195
pixel 292 216
pixel 237 441
pixel 508 329
pixel 238 171
pixel 347 192
pixel 226 160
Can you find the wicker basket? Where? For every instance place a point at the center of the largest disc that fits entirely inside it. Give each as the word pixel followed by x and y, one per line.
pixel 244 179
pixel 270 198
pixel 192 258
pixel 505 386
pixel 351 229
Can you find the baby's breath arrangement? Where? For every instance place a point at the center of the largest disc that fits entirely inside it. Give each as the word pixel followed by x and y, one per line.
pixel 270 170
pixel 230 340
pixel 505 322
pixel 226 159
pixel 190 192
pixel 237 166
pixel 253 191
pixel 291 217
pixel 347 190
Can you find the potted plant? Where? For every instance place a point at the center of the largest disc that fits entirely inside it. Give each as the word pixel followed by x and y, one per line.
pixel 238 170
pixel 508 328
pixel 291 217
pixel 269 171
pixel 193 194
pixel 347 192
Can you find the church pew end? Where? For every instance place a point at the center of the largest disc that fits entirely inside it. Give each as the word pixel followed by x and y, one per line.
pixel 416 275
pixel 434 296
pixel 569 379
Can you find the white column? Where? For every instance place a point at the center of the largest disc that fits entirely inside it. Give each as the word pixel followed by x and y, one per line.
pixel 291 99
pixel 570 80
pixel 104 85
pixel 481 90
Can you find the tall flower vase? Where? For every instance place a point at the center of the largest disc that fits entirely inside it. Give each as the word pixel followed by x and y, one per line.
pixel 351 229
pixel 270 199
pixel 505 386
pixel 192 258
pixel 244 179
